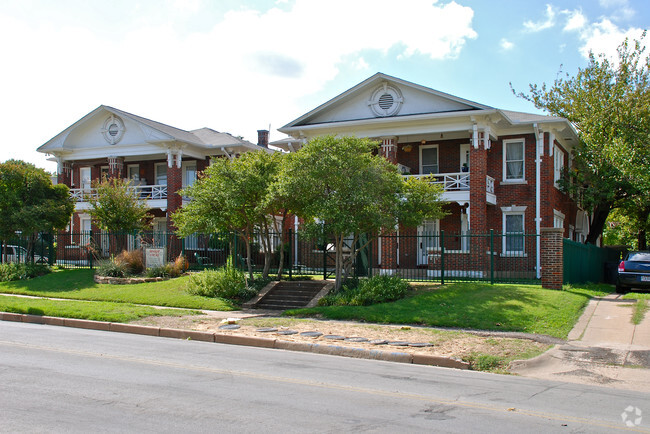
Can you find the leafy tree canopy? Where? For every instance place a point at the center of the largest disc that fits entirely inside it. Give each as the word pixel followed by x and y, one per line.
pixel 235 196
pixel 116 207
pixel 29 202
pixel 609 103
pixel 339 182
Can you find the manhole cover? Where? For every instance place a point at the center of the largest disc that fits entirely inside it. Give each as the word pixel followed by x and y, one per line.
pixel 311 334
pixel 287 332
pixel 379 342
pixel 399 343
pixel 356 339
pixel 266 330
pixel 419 344
pixel 229 327
pixel 334 337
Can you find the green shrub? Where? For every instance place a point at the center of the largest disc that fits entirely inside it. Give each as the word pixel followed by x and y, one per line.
pixel 21 271
pixel 162 271
pixel 226 282
pixel 110 268
pixel 377 289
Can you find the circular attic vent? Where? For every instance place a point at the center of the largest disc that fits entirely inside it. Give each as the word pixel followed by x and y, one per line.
pixel 386 100
pixel 113 130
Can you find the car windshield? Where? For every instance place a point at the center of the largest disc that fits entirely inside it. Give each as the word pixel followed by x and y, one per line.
pixel 639 256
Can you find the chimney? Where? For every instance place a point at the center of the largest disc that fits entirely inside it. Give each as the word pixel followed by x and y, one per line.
pixel 263 138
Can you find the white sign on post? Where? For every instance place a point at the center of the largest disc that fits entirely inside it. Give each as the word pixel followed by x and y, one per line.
pixel 155 257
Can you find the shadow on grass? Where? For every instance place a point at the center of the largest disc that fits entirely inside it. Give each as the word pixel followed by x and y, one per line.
pixel 52 283
pixel 523 308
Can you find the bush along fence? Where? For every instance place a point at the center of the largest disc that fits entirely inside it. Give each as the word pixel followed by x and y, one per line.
pixel 415 255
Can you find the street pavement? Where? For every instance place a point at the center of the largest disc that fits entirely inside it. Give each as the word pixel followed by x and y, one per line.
pixel 61 379
pixel 604 348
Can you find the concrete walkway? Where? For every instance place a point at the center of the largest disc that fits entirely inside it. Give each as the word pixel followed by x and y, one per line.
pixel 604 348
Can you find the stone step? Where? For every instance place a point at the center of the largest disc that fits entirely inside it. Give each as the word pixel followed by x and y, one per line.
pixel 290 295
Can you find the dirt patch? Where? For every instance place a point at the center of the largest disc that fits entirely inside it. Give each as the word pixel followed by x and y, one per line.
pixel 460 345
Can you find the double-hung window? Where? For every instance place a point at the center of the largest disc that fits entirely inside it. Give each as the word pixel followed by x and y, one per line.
pixel 428 159
pixel 513 231
pixel 161 174
pixel 513 160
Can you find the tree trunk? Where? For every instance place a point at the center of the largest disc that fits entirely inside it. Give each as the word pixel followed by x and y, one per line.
pixel 282 244
pixel 338 264
pixel 643 216
pixel 598 223
pixel 249 258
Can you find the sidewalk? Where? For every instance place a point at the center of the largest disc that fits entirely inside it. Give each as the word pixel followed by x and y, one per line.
pixel 604 348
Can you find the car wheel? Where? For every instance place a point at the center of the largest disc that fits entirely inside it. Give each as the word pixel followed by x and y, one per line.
pixel 621 289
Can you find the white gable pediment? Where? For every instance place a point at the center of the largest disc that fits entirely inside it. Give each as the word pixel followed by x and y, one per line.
pixel 106 129
pixel 382 96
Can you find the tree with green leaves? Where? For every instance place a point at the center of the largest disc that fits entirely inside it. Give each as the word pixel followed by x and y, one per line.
pixel 609 103
pixel 344 190
pixel 117 207
pixel 233 195
pixel 30 203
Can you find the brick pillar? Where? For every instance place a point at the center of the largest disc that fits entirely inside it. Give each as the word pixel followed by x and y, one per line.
pixel 174 202
pixel 389 149
pixel 115 167
pixel 478 204
pixel 64 172
pixel 552 258
pixel 389 253
pixel 389 242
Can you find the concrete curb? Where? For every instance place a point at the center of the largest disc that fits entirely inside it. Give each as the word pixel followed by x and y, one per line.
pixel 251 341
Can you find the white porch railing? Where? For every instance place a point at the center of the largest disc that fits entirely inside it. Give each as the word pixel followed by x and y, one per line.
pixel 145 192
pixel 449 181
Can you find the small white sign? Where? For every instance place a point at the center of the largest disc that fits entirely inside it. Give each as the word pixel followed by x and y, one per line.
pixel 155 257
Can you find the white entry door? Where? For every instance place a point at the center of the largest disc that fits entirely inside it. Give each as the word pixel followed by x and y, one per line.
pixel 85 180
pixel 428 234
pixel 464 231
pixel 160 232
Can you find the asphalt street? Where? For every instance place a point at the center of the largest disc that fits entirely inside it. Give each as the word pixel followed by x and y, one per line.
pixel 57 379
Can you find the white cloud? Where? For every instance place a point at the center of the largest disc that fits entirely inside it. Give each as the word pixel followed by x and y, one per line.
pixel 575 21
pixel 506 45
pixel 240 72
pixel 605 37
pixel 622 9
pixel 546 23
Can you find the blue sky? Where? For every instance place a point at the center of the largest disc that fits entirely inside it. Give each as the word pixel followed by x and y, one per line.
pixel 239 66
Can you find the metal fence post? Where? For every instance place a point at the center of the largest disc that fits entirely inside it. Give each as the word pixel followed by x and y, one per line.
pixel 90 253
pixel 442 257
pixel 492 256
pixel 50 249
pixel 290 249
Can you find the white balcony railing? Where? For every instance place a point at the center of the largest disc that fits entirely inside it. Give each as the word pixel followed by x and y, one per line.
pixel 489 184
pixel 449 181
pixel 144 192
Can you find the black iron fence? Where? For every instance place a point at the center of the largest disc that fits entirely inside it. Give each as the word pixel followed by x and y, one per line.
pixel 415 255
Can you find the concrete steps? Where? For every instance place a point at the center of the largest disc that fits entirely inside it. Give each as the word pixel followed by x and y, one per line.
pixel 290 295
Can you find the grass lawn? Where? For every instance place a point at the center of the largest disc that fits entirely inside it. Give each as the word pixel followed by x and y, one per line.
pixel 97 311
pixel 79 285
pixel 523 308
pixel 637 296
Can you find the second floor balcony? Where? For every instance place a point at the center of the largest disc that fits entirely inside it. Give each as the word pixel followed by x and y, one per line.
pixel 154 195
pixel 456 186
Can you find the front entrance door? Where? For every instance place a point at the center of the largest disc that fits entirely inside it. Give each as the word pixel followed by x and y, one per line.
pixel 428 234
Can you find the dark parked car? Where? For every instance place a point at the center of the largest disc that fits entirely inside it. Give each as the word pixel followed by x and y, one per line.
pixel 634 272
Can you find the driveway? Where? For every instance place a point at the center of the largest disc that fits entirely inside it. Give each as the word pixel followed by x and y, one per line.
pixel 604 348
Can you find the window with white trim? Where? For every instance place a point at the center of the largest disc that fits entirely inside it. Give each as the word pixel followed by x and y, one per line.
pixel 428 159
pixel 133 172
pixel 558 166
pixel 513 160
pixel 513 230
pixel 161 173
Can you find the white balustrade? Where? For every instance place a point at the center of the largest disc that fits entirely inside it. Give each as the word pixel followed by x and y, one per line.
pixel 450 181
pixel 145 192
